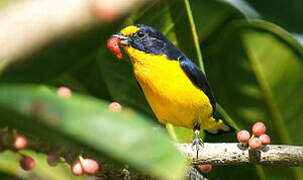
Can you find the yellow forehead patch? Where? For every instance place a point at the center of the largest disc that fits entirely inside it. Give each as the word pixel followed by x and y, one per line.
pixel 129 30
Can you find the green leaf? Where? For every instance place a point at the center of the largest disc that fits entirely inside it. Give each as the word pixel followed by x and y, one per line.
pixel 299 38
pixel 85 121
pixel 242 8
pixel 86 79
pixel 258 77
pixel 287 14
pixel 211 16
pixel 9 163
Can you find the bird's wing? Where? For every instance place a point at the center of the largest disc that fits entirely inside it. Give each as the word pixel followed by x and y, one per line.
pixel 197 77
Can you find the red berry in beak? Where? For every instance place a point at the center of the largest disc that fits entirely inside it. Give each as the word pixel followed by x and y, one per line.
pixel 113 45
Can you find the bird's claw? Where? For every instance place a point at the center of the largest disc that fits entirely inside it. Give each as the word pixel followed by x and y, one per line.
pixel 197 142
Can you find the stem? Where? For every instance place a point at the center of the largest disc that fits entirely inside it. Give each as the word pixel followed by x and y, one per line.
pixel 195 35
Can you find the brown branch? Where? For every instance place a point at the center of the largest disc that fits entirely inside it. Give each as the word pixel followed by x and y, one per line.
pixel 236 154
pixel 26 26
pixel 211 153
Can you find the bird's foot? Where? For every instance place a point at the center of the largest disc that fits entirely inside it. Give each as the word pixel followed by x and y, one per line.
pixel 197 142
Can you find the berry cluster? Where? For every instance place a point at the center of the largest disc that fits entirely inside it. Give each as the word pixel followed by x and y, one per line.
pixel 258 138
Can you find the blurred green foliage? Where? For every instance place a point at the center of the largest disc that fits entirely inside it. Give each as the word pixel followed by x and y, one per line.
pixel 287 14
pixel 254 68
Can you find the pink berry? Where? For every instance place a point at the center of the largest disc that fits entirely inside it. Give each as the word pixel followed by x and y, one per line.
pixel 52 160
pixel 77 169
pixel 254 143
pixel 114 106
pixel 90 166
pixel 265 139
pixel 27 163
pixel 20 142
pixel 243 136
pixel 64 92
pixel 258 128
pixel 206 168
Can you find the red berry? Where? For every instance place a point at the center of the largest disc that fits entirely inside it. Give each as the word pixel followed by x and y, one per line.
pixel 20 142
pixel 114 106
pixel 258 128
pixel 77 169
pixel 27 163
pixel 254 143
pixel 64 92
pixel 265 139
pixel 243 136
pixel 90 166
pixel 206 168
pixel 113 45
pixel 52 160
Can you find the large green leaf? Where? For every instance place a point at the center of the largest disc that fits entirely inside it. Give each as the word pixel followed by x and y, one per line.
pixel 84 121
pixel 256 71
pixel 287 14
pixel 212 16
pixel 86 79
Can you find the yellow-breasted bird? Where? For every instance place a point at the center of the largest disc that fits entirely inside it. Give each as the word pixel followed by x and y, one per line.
pixel 175 88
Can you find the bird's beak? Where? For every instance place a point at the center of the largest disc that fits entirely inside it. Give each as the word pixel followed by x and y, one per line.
pixel 124 40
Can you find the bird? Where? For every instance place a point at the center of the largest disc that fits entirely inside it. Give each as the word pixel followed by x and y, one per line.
pixel 174 86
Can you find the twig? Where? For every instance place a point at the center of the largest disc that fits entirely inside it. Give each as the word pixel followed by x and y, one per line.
pixel 26 26
pixel 235 154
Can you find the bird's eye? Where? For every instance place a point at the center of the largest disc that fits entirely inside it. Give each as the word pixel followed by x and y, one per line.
pixel 141 34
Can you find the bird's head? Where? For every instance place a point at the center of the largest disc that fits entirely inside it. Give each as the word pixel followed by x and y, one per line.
pixel 145 39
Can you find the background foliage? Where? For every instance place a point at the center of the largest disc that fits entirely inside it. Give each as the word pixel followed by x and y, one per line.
pixel 253 65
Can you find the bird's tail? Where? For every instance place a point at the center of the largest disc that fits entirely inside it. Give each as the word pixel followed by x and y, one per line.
pixel 225 127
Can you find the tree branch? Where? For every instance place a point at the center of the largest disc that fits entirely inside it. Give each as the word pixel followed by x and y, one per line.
pixel 237 154
pixel 211 153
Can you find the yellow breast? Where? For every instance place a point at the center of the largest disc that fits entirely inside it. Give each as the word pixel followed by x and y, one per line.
pixel 170 93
